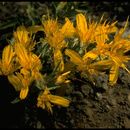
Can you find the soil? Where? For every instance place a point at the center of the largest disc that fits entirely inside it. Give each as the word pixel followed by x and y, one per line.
pixel 92 106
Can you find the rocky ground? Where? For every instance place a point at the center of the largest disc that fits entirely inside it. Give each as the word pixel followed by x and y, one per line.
pixel 99 106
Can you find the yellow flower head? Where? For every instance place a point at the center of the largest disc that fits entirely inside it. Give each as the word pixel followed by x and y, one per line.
pixel 46 98
pixel 29 61
pixel 84 30
pixel 102 31
pixel 21 35
pixel 7 65
pixel 50 27
pixel 74 57
pixel 21 83
pixel 57 40
pixel 23 55
pixel 84 64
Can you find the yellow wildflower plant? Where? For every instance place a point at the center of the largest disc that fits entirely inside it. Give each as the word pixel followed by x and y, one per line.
pixel 46 100
pixel 7 65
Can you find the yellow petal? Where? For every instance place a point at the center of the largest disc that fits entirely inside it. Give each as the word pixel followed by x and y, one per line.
pixel 36 62
pixel 21 35
pixel 58 60
pixel 23 55
pixel 113 74
pixel 68 29
pixel 102 65
pixel 23 93
pixel 7 55
pixel 89 55
pixel 81 27
pixel 74 56
pixel 15 81
pixel 59 100
pixel 81 22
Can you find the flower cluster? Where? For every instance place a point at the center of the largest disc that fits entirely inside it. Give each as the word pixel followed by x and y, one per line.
pixel 93 53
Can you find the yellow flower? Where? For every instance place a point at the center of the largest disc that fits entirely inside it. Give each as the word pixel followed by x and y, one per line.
pixel 118 48
pixel 84 30
pixel 84 64
pixel 7 65
pixel 74 57
pixel 57 40
pixel 21 83
pixel 118 61
pixel 23 55
pixel 29 61
pixel 36 66
pixel 46 98
pixel 68 29
pixel 50 26
pixel 21 35
pixel 102 31
pixel 62 78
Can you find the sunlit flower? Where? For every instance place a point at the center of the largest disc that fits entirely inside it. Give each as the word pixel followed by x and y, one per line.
pixel 46 100
pixel 57 40
pixel 23 55
pixel 29 61
pixel 7 64
pixel 50 26
pixel 84 30
pixel 118 61
pixel 21 35
pixel 84 64
pixel 21 83
pixel 103 30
